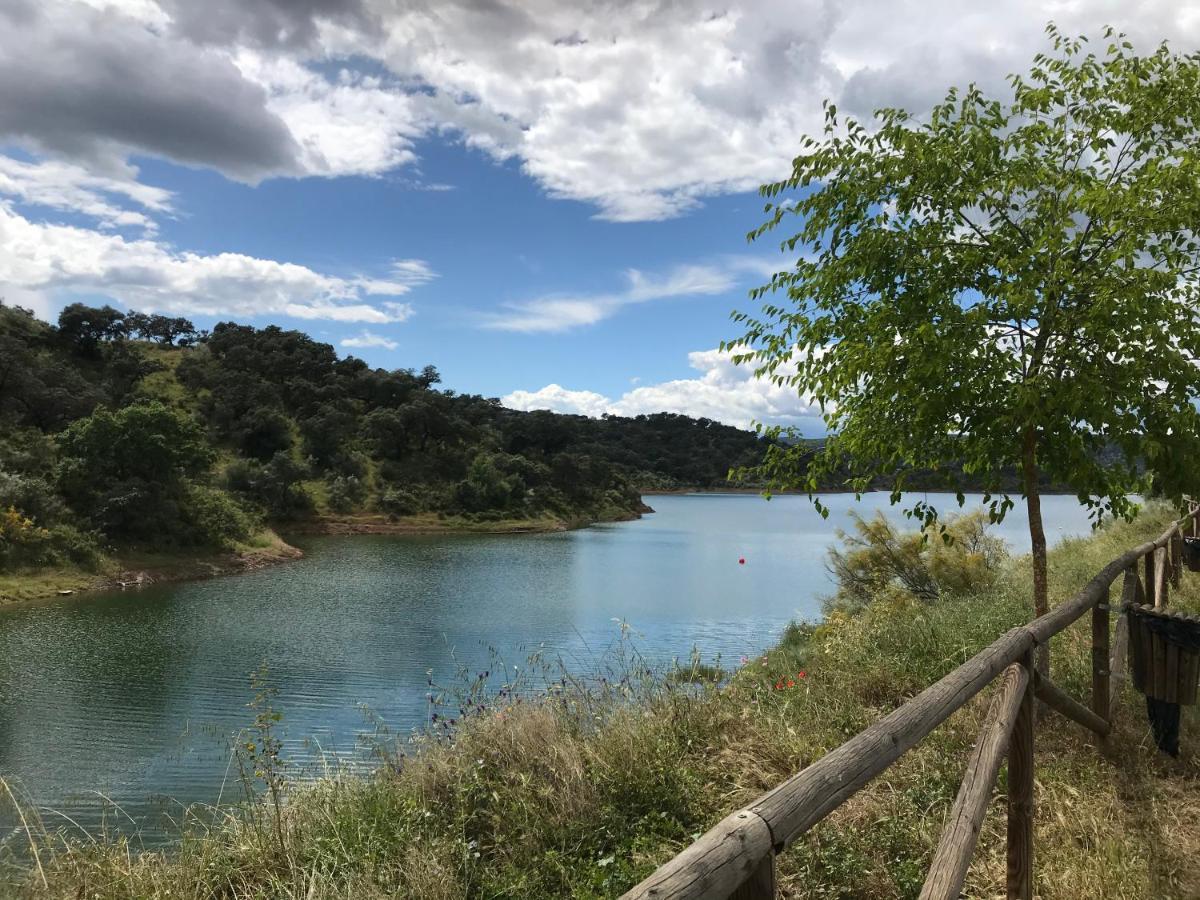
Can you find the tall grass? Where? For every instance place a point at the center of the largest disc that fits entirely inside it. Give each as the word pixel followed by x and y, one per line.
pixel 585 789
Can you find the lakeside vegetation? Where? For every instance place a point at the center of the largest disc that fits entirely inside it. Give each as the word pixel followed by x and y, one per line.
pixel 583 790
pixel 132 441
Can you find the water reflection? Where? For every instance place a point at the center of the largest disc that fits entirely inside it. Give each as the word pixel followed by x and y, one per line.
pixel 136 695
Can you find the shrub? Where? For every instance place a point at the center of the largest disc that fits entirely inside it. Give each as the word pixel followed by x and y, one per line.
pixel 879 561
pixel 346 493
pixel 275 487
pixel 395 501
pixel 216 518
pixel 35 497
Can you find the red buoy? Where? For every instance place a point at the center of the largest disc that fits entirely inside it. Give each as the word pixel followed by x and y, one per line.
pixel 741 560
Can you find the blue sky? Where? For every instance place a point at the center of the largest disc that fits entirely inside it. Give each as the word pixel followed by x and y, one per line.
pixel 491 237
pixel 548 201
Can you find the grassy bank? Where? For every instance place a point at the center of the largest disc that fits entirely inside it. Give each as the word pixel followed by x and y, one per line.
pixel 264 548
pixel 586 790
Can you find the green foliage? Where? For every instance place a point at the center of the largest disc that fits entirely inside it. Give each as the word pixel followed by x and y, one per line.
pixel 878 561
pixel 274 487
pixel 489 486
pixel 346 493
pixel 215 518
pixel 395 502
pixel 33 496
pixel 39 386
pixel 84 327
pixel 1002 283
pixel 129 471
pixel 122 414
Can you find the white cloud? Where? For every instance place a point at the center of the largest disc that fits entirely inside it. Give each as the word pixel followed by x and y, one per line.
pixel 351 124
pixel 64 186
pixel 641 110
pixel 724 391
pixel 564 313
pixel 369 339
pixel 47 259
pixel 557 398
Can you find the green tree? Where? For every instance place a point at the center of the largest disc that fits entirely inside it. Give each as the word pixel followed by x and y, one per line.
pixel 84 327
pixel 998 284
pixel 129 471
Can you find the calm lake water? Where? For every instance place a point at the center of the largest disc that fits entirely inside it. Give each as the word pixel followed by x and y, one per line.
pixel 130 699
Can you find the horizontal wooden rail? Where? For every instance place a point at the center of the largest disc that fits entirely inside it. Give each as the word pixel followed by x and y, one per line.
pixel 735 858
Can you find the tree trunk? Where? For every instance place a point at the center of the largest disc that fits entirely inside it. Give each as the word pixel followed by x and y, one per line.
pixel 1037 539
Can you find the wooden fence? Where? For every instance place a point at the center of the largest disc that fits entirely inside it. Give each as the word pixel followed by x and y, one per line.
pixel 736 858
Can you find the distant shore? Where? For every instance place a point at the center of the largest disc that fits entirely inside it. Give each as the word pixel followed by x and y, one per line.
pixel 135 570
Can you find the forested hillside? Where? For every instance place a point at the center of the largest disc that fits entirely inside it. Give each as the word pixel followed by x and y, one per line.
pixel 123 429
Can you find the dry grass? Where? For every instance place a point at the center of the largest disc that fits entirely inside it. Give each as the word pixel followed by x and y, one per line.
pixel 585 791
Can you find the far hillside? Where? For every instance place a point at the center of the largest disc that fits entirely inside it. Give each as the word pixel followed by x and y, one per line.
pixel 125 430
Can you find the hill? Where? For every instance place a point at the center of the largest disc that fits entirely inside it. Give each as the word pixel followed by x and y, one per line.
pixel 126 432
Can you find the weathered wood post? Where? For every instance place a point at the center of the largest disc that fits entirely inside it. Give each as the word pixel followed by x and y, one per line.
pixel 1177 559
pixel 1020 795
pixel 760 885
pixel 961 832
pixel 1131 593
pixel 1150 578
pixel 1100 662
pixel 1160 577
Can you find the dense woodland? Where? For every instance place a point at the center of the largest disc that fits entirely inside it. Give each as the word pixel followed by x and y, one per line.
pixel 124 429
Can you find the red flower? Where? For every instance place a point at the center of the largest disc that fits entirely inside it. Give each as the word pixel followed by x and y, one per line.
pixel 801 674
pixel 791 683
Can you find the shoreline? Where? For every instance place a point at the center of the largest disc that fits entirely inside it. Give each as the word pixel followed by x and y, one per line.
pixel 23 588
pixel 134 571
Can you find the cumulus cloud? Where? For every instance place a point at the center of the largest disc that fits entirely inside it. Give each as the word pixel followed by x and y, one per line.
pixel 640 110
pixel 294 24
pixel 724 391
pixel 369 339
pixel 557 398
pixel 564 313
pixel 68 187
pixel 94 85
pixel 41 259
pixel 348 124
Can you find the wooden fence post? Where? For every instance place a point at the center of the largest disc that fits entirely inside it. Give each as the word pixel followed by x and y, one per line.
pixel 1131 591
pixel 1160 578
pixel 1177 559
pixel 1100 670
pixel 760 885
pixel 961 832
pixel 1020 796
pixel 1150 578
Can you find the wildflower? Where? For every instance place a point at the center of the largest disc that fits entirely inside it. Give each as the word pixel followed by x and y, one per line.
pixel 801 674
pixel 791 683
pixel 744 660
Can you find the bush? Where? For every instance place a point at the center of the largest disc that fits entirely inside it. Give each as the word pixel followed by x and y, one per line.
pixel 24 543
pixel 275 487
pixel 878 561
pixel 394 501
pixel 35 497
pixel 346 493
pixel 216 518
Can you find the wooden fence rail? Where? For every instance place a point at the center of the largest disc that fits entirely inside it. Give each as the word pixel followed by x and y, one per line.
pixel 735 860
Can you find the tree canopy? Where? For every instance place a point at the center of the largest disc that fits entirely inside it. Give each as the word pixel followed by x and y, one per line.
pixel 117 428
pixel 1001 283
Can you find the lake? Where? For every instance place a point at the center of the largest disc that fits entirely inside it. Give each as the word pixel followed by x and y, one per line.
pixel 129 700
